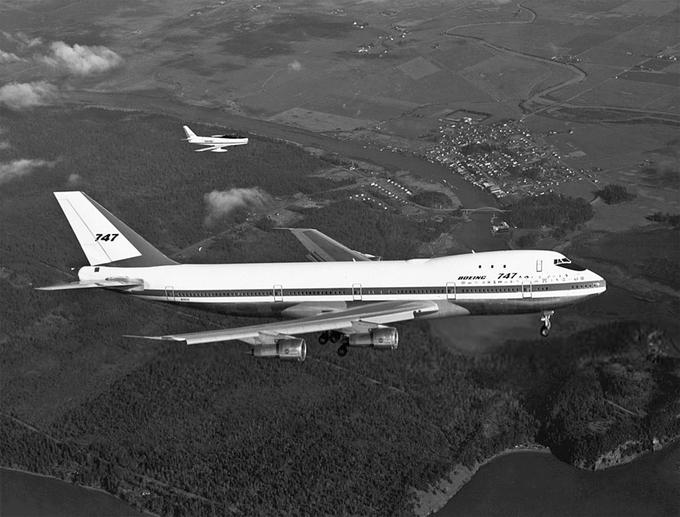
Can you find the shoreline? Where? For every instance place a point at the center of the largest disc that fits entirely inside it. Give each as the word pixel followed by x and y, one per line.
pixel 96 490
pixel 435 497
pixel 438 495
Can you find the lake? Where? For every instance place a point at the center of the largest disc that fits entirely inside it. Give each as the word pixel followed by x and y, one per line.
pixel 531 484
pixel 29 495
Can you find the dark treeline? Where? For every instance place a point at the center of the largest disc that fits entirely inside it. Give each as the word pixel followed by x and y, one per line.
pixel 136 166
pixel 432 199
pixel 613 194
pixel 550 209
pixel 596 390
pixel 370 230
pixel 209 429
pixel 666 218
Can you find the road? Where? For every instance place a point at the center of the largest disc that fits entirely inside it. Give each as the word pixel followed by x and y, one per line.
pixel 540 102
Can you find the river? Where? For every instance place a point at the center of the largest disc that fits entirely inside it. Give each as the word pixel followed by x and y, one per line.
pixel 536 484
pixel 469 195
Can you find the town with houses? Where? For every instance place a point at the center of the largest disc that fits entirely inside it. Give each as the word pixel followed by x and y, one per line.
pixel 503 158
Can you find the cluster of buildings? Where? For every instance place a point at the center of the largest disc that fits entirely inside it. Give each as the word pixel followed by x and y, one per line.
pixel 383 40
pixel 503 158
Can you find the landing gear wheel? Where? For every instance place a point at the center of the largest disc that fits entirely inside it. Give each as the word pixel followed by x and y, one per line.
pixel 547 324
pixel 323 338
pixel 335 336
pixel 342 350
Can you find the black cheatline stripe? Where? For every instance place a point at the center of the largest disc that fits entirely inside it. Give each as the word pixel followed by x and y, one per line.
pixel 368 291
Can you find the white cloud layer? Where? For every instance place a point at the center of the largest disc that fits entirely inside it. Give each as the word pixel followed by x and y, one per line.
pixel 21 39
pixel 26 95
pixel 9 57
pixel 81 59
pixel 221 203
pixel 18 168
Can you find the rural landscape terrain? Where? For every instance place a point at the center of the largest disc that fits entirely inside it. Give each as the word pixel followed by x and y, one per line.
pixel 402 129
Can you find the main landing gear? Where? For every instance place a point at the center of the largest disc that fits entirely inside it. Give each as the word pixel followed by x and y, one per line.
pixel 334 336
pixel 545 318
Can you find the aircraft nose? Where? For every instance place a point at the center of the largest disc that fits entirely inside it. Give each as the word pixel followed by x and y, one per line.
pixel 601 283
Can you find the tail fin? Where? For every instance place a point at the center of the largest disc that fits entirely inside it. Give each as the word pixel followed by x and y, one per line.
pixel 189 132
pixel 104 238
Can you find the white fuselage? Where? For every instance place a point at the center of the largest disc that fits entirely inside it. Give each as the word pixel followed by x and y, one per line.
pixel 495 282
pixel 218 141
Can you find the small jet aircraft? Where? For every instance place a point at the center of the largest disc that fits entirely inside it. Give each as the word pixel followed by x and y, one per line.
pixel 216 143
pixel 348 297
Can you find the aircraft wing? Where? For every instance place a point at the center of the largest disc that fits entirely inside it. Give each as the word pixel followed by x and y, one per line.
pixel 352 320
pixel 110 283
pixel 324 249
pixel 213 148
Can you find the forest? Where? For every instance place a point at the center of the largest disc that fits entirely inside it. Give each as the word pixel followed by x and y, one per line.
pixel 613 194
pixel 209 430
pixel 551 209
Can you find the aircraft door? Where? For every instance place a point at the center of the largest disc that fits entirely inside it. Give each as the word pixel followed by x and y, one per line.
pixel 169 293
pixel 278 293
pixel 526 289
pixel 450 290
pixel 356 292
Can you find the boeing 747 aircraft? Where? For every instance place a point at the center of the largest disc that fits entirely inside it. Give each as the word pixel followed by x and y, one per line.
pixel 348 297
pixel 216 143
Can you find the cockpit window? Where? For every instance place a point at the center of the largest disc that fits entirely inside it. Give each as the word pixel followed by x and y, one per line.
pixel 562 260
pixel 570 265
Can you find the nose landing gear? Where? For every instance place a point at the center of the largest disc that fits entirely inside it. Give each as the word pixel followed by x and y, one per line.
pixel 545 318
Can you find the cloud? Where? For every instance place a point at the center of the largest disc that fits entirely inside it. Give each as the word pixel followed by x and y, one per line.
pixel 9 57
pixel 295 66
pixel 81 59
pixel 27 41
pixel 17 168
pixel 221 203
pixel 74 179
pixel 26 95
pixel 22 40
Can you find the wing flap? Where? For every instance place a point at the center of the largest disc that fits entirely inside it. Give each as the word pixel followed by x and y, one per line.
pixel 375 313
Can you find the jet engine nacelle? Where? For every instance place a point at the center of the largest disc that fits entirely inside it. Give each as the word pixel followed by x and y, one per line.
pixel 382 337
pixel 289 349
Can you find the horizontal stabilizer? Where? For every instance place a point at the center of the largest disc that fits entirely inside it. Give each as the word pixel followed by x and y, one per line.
pixel 117 283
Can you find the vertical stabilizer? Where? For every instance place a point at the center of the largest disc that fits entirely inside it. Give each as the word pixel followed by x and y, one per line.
pixel 104 238
pixel 190 134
